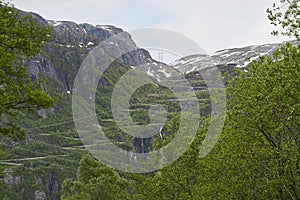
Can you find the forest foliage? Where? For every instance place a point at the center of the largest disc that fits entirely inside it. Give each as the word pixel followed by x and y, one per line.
pixel 256 157
pixel 258 154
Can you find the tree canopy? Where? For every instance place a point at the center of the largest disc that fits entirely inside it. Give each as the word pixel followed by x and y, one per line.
pixel 95 181
pixel 286 14
pixel 258 154
pixel 20 38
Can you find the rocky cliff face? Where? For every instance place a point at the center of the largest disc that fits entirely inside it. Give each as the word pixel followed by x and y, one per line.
pixel 62 56
pixel 53 149
pixel 70 43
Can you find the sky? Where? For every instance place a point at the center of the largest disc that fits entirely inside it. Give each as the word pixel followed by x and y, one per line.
pixel 212 24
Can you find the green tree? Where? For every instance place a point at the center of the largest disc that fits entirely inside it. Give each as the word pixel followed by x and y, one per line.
pixel 259 151
pixel 286 14
pixel 183 179
pixel 20 38
pixel 258 154
pixel 95 181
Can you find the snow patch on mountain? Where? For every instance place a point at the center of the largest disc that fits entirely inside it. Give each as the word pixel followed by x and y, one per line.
pixel 237 57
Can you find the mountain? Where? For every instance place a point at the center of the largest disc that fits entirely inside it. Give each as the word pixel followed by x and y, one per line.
pixel 73 42
pixel 235 57
pixel 37 167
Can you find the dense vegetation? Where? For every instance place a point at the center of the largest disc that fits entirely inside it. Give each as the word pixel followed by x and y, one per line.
pixel 19 96
pixel 20 38
pixel 257 156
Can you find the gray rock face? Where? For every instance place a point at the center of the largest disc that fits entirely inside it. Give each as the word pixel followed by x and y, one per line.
pixel 86 36
pixel 70 43
pixel 12 181
pixel 40 195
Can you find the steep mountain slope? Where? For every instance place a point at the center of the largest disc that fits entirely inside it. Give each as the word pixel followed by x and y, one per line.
pixel 70 43
pixel 36 168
